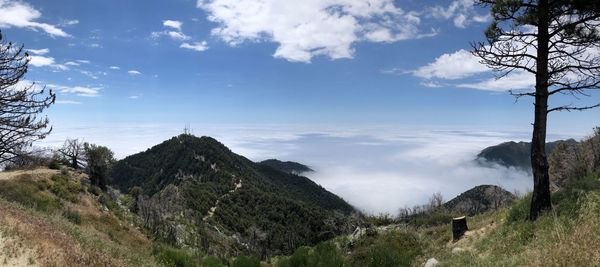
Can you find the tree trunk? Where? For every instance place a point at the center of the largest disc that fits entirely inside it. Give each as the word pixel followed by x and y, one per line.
pixel 540 200
pixel 74 163
pixel 459 227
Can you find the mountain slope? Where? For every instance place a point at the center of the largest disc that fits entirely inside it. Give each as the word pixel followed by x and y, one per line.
pixel 513 154
pixel 197 192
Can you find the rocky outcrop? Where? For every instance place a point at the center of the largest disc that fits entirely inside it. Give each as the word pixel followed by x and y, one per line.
pixel 479 199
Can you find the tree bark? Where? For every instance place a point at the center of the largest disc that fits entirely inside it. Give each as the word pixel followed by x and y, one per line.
pixel 540 200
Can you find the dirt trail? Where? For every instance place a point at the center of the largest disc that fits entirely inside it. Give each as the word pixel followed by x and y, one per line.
pixel 211 212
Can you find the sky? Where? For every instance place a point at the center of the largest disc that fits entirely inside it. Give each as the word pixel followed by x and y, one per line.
pixel 314 73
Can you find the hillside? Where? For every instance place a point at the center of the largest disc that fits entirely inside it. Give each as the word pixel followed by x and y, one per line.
pixel 287 166
pixel 515 154
pixel 479 199
pixel 198 193
pixel 53 218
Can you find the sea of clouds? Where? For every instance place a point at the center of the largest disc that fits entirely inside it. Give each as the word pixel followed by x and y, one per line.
pixel 377 169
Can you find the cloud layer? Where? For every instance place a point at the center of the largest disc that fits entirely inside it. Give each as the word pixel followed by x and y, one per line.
pixel 376 169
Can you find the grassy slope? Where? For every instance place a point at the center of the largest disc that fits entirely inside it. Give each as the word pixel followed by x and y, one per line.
pixel 567 236
pixel 57 222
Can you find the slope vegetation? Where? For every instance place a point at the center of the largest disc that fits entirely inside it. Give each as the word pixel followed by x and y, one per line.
pixel 192 197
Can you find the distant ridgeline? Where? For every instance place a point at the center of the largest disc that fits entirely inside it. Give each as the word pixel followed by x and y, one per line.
pixel 198 193
pixel 513 154
pixel 287 166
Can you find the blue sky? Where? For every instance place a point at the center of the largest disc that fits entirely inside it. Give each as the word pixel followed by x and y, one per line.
pixel 343 62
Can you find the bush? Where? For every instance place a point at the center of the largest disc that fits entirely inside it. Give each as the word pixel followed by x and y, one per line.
pixel 29 194
pixel 212 262
pixel 519 211
pixel 65 188
pixel 390 249
pixel 244 261
pixel 326 254
pixel 54 165
pixel 73 216
pixel 174 257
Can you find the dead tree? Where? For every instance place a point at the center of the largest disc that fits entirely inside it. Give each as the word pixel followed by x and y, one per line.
pixel 74 151
pixel 555 41
pixel 20 104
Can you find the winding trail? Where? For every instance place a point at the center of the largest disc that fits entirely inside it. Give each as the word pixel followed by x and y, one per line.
pixel 211 212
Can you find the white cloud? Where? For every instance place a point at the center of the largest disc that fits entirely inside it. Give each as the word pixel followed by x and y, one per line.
pixel 39 51
pixel 134 97
pixel 77 90
pixel 457 65
pixel 69 22
pixel 83 61
pixel 114 68
pixel 89 74
pixel 175 35
pixel 175 24
pixel 41 61
pixel 71 63
pixel 197 46
pixel 305 29
pixel 462 12
pixel 134 72
pixel 518 80
pixel 71 102
pixel 22 15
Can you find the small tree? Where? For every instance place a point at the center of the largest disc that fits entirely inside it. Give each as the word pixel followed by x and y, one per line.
pixel 20 104
pixel 557 42
pixel 99 162
pixel 73 150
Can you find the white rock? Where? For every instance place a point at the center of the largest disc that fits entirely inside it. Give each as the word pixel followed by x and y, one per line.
pixel 431 262
pixel 458 250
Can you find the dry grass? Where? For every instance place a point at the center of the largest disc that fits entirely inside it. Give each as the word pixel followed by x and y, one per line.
pixel 47 238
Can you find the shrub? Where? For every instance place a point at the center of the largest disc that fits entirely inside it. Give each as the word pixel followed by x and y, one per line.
pixel 29 194
pixel 174 257
pixel 325 254
pixel 390 249
pixel 65 188
pixel 72 215
pixel 212 262
pixel 244 261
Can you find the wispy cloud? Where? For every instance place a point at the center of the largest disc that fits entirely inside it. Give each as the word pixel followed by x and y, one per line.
pixel 197 46
pixel 76 90
pixel 134 72
pixel 40 52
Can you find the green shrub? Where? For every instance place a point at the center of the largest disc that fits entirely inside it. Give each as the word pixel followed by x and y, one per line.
pixel 244 261
pixel 72 215
pixel 212 262
pixel 389 250
pixel 29 194
pixel 519 210
pixel 300 257
pixel 326 254
pixel 54 165
pixel 174 257
pixel 66 188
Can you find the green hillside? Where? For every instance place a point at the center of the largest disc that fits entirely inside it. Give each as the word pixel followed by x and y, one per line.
pixel 197 185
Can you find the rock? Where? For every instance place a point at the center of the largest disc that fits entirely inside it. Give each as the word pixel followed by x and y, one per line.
pixel 457 250
pixel 431 262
